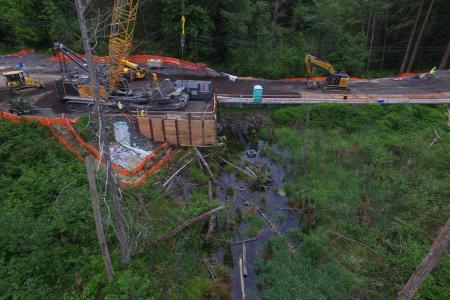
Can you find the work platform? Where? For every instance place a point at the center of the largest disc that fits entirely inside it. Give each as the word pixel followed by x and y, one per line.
pixel 246 100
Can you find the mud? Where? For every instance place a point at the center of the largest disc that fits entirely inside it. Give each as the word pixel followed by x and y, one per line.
pixel 40 66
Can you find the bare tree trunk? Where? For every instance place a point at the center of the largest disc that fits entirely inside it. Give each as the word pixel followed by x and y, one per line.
pixel 98 220
pixel 371 41
pixel 385 35
pixel 419 38
pixel 275 15
pixel 411 37
pixel 103 143
pixel 305 144
pixel 445 58
pixel 427 265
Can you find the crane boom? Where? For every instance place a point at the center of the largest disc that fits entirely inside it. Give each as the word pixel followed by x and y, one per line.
pixel 311 60
pixel 121 37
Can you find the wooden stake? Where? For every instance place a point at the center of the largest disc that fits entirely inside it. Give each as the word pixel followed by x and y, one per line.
pixel 244 258
pixel 242 279
pixel 210 191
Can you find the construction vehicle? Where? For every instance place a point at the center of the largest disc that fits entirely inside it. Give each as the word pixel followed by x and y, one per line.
pixel 18 80
pixel 75 89
pixel 133 71
pixel 334 79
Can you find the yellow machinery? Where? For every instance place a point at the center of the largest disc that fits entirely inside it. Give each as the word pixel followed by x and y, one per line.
pixel 121 38
pixel 17 80
pixel 334 80
pixel 115 92
pixel 133 71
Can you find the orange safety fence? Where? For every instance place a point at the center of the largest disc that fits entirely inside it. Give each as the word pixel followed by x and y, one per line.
pixel 62 141
pixel 142 59
pixel 49 122
pixel 140 180
pixel 316 78
pixel 399 77
pixel 20 53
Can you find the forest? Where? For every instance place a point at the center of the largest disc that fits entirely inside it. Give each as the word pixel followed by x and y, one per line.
pixel 265 38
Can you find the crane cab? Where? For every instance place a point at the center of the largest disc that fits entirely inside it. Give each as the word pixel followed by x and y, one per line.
pixel 16 80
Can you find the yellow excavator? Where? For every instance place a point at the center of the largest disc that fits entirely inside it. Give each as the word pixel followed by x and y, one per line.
pixel 334 79
pixel 133 71
pixel 18 80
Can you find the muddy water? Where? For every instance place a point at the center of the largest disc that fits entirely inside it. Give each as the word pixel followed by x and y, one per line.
pixel 274 207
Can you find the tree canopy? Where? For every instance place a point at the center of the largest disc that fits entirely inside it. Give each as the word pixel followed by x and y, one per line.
pixel 252 37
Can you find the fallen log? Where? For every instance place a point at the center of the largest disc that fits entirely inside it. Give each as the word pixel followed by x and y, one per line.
pixel 437 249
pixel 265 217
pixel 237 168
pixel 187 224
pixel 176 173
pixel 205 164
pixel 243 241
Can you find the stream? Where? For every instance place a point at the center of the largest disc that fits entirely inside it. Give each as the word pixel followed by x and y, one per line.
pixel 274 206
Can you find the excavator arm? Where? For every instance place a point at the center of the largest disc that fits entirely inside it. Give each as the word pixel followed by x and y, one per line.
pixel 311 61
pixel 334 80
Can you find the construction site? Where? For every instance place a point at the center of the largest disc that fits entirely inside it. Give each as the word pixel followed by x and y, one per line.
pixel 195 183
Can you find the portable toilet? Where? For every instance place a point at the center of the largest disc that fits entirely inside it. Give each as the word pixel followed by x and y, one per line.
pixel 257 94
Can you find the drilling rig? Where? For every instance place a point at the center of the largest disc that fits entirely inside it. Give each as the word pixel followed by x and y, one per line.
pixel 74 88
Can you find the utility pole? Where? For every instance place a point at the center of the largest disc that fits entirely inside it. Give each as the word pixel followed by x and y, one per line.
pixel 124 247
pixel 98 220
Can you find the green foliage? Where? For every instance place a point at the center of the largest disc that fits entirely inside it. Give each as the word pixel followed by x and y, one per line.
pixel 84 128
pixel 197 175
pixel 374 195
pixel 247 37
pixel 255 224
pixel 48 245
pixel 45 218
pixel 307 273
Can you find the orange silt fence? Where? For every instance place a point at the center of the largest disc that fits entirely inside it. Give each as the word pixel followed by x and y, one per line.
pixel 50 122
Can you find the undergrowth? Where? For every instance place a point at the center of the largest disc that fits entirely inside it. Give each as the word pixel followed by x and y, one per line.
pixel 373 196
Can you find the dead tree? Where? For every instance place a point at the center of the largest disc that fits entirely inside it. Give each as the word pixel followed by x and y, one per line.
pixel 277 5
pixel 427 265
pixel 374 23
pixel 411 37
pixel 445 58
pixel 419 38
pixel 103 142
pixel 386 19
pixel 98 220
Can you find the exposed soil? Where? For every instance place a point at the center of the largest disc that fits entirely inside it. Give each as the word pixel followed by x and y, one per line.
pixel 39 66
